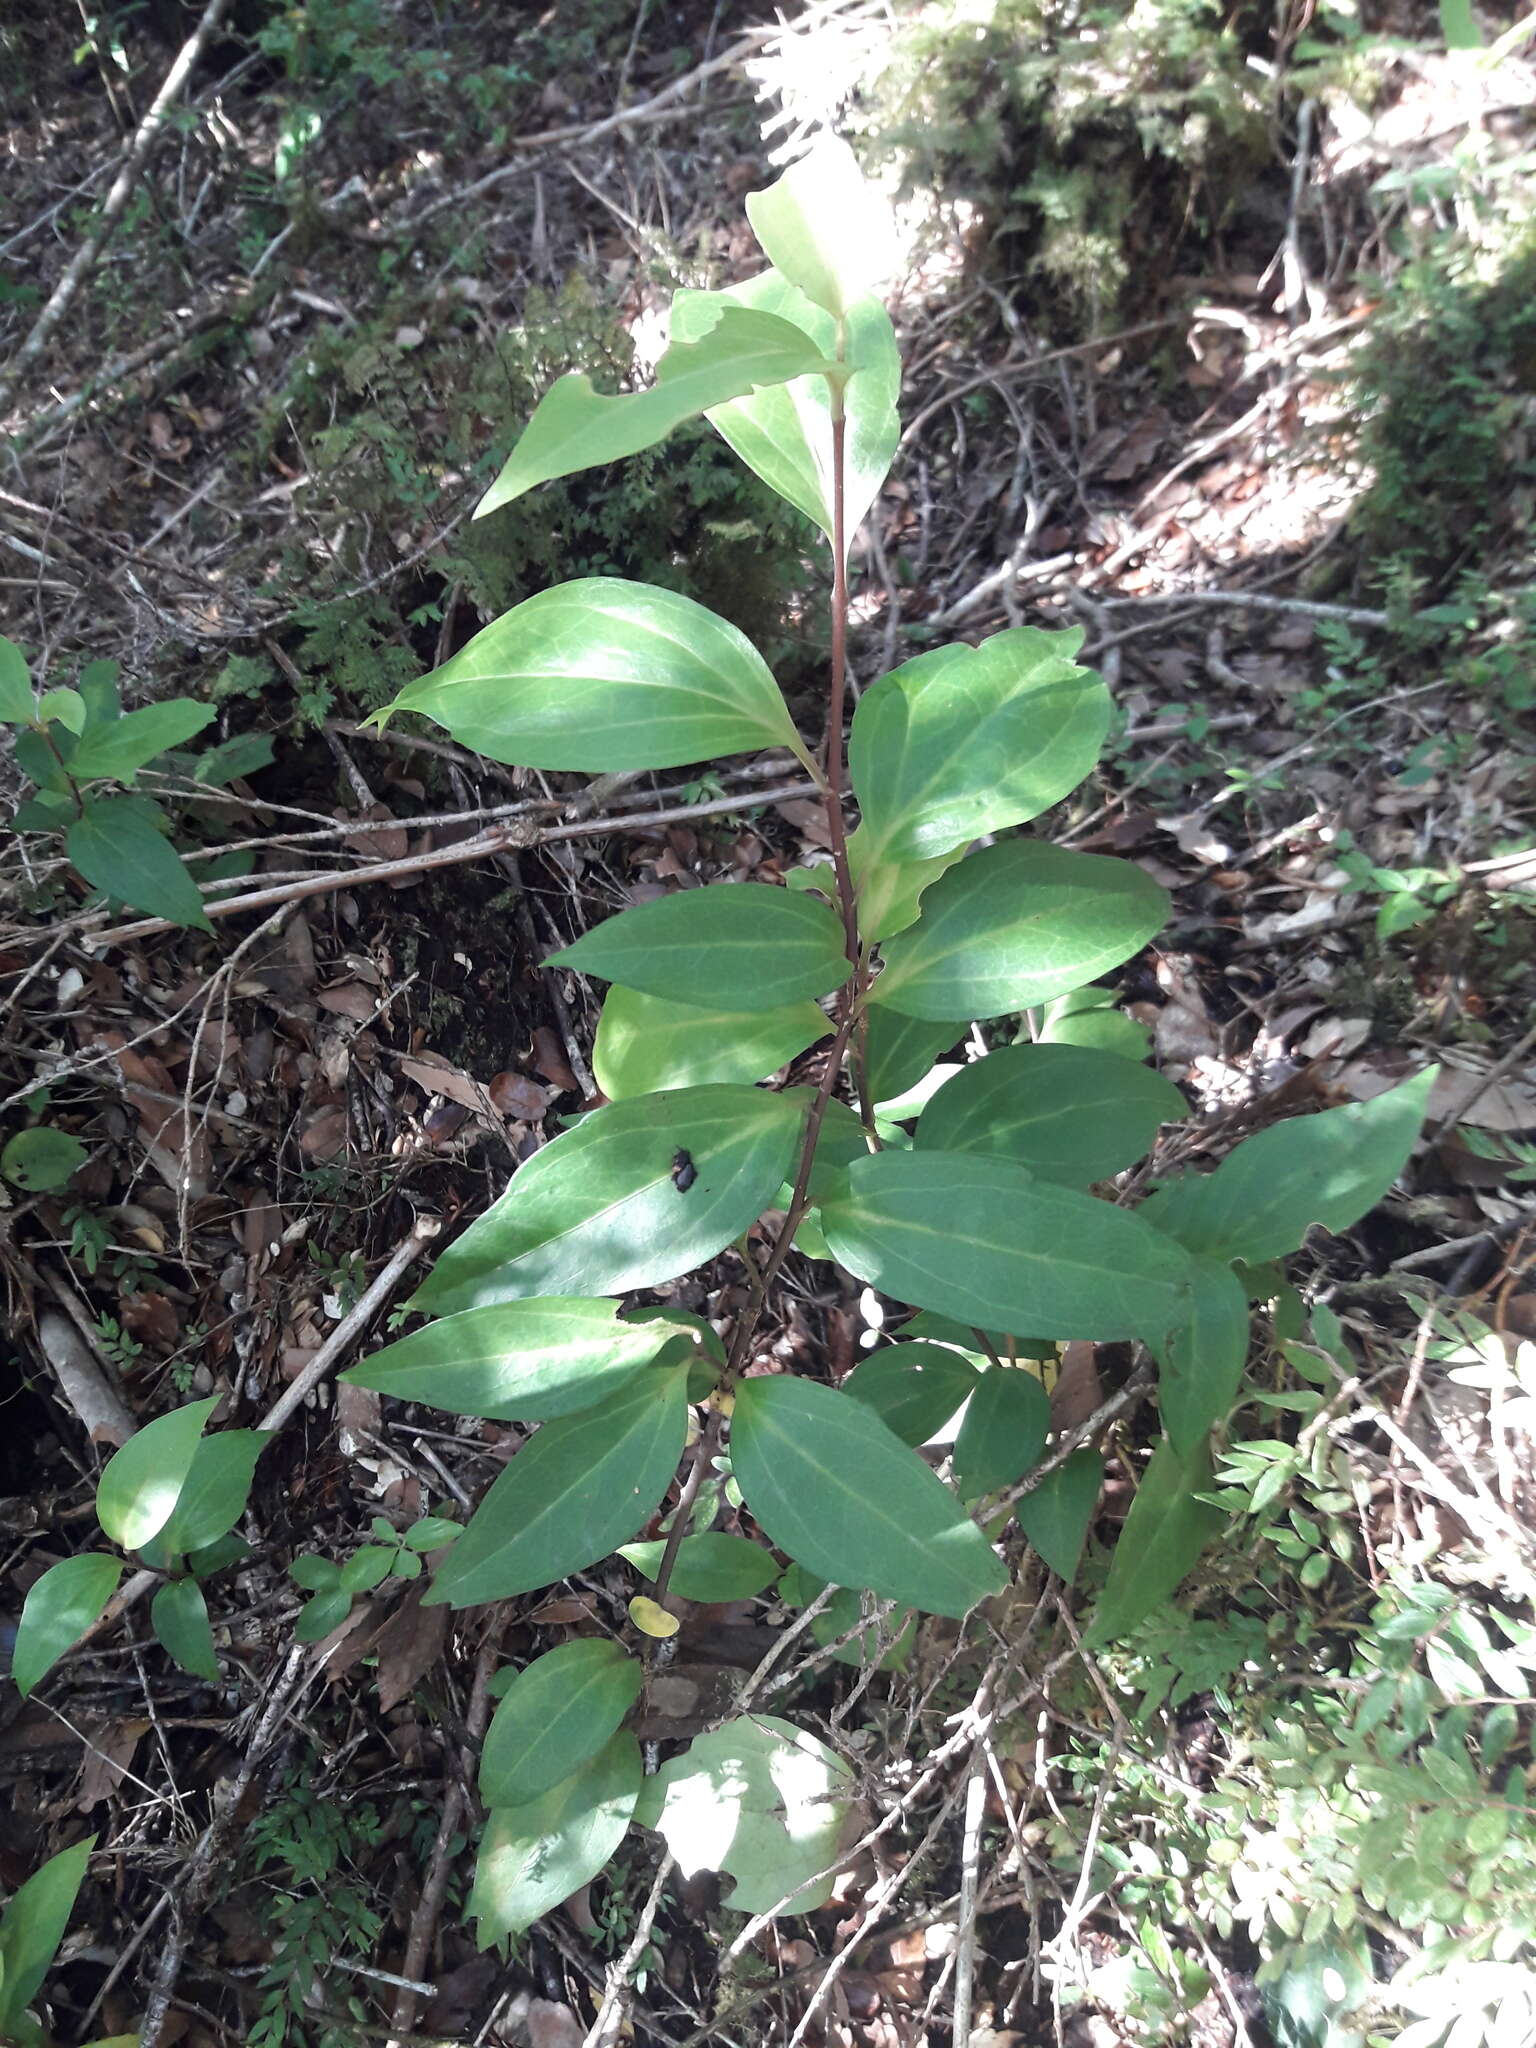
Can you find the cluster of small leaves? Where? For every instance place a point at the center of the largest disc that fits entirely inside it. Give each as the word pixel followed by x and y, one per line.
pixel 393 1554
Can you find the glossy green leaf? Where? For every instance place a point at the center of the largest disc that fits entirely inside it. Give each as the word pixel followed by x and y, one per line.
pixel 140 1482
pixel 18 705
pixel 179 1616
pixel 890 892
pixel 828 1482
pixel 1067 1113
pixel 62 707
pixel 118 848
pixel 740 945
pixel 1088 1017
pixel 58 1609
pixel 901 1050
pixel 599 1211
pixel 983 1241
pixel 576 1490
pixel 784 434
pixel 534 1856
pixel 913 1388
pixel 604 674
pixel 33 1926
pixel 821 226
pixel 645 1043
pixel 558 1711
pixel 964 741
pixel 1332 1169
pixel 515 1361
pixel 1015 925
pixel 121 746
pixel 1162 1541
pixel 1201 1360
pixel 1006 1422
pixel 760 1800
pixel 574 427
pixel 1055 1517
pixel 328 1610
pixel 41 1158
pixel 215 1491
pixel 712 1567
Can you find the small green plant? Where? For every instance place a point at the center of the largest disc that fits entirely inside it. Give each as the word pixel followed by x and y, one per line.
pixel 31 1929
pixel 394 1553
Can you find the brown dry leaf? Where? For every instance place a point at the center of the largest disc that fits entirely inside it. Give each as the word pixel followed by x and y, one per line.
pixel 429 1070
pixel 553 2026
pixel 1077 1391
pixel 152 1318
pixel 325 1135
pixel 109 1752
pixel 392 845
pixel 549 1059
pixel 515 1096
pixel 350 999
pixel 358 1410
pixel 408 1645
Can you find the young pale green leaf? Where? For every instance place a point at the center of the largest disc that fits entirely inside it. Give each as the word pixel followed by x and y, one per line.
pixel 983 1241
pixel 967 740
pixel 558 1711
pixel 824 229
pixel 733 945
pixel 604 674
pixel 18 706
pixel 516 1361
pixel 1202 1358
pixel 784 433
pixel 600 1209
pixel 899 1050
pixel 1006 1422
pixel 829 1483
pixel 178 1615
pixel 1164 1536
pixel 214 1493
pixel 41 1158
pixel 534 1856
pixel 120 747
pixel 575 1491
pixel 33 1927
pixel 140 1483
pixel 712 1567
pixel 1055 1517
pixel 57 1611
pixel 574 427
pixel 762 1801
pixel 119 849
pixel 1332 1168
pixel 1088 1017
pixel 1015 925
pixel 913 1388
pixel 890 892
pixel 62 707
pixel 1068 1114
pixel 645 1043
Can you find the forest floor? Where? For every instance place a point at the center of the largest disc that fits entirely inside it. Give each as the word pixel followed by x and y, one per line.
pixel 240 467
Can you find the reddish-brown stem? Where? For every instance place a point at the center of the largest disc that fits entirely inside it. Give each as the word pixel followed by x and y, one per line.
pixel 703 1457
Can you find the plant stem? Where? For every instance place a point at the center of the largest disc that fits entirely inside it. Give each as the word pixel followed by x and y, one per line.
pixel 836 829
pixel 704 1452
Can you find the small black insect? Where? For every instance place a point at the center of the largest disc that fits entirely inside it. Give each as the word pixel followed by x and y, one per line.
pixel 684 1172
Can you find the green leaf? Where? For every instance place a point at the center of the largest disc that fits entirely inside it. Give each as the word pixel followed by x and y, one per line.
pixel 179 1616
pixel 605 674
pixel 1068 1114
pixel 967 740
pixel 328 1610
pixel 784 434
pixel 1088 1017
pixel 57 1611
pixel 99 692
pixel 1015 925
pixel 1202 1358
pixel 33 1928
pixel 18 706
pixel 121 747
pixel 574 427
pixel 759 1799
pixel 558 1711
pixel 1006 1422
pixel 645 1043
pixel 599 1211
pixel 1459 26
pixel 575 1491
pixel 516 1361
pixel 140 1483
pixel 534 1856
pixel 900 1051
pixel 1332 1169
pixel 1164 1536
pixel 314 1574
pixel 828 1482
pixel 41 1158
pixel 890 893
pixel 712 1567
pixel 62 707
pixel 741 945
pixel 913 1388
pixel 367 1568
pixel 215 1491
pixel 983 1241
pixel 118 849
pixel 824 229
pixel 1055 1517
